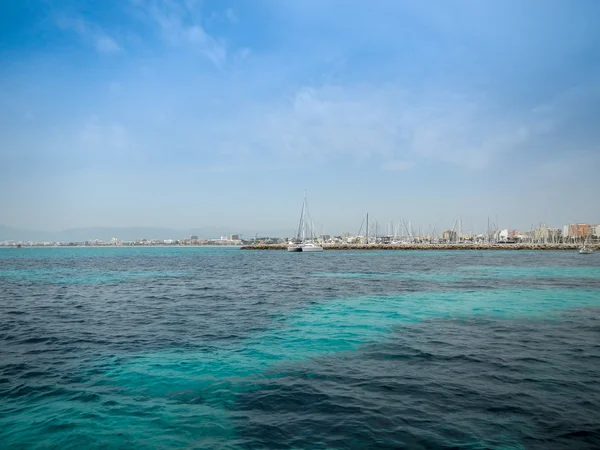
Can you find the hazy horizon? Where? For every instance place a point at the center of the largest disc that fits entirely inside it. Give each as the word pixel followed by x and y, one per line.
pixel 216 232
pixel 219 114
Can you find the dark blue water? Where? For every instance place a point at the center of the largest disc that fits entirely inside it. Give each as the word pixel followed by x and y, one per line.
pixel 220 348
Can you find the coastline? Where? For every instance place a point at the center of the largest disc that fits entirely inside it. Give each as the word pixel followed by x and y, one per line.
pixel 123 246
pixel 433 247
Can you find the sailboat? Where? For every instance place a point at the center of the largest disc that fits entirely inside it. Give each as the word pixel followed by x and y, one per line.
pixel 585 249
pixel 304 241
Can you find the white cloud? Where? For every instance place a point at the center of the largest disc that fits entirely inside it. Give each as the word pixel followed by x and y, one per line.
pixel 105 44
pixel 179 23
pixel 230 14
pixel 384 125
pixel 196 35
pixel 327 122
pixel 241 55
pixel 90 33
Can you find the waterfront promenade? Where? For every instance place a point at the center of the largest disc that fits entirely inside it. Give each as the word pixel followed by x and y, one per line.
pixel 525 246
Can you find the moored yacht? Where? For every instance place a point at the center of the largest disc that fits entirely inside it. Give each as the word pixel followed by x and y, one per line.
pixel 293 247
pixel 311 247
pixel 585 249
pixel 305 239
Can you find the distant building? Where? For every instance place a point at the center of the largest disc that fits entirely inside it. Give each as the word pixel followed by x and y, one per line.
pixel 449 236
pixel 193 237
pixel 579 230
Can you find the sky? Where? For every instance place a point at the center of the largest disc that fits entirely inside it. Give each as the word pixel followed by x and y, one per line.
pixel 192 113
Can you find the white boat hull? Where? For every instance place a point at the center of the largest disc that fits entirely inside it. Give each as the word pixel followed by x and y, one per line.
pixel 305 248
pixel 312 248
pixel 586 251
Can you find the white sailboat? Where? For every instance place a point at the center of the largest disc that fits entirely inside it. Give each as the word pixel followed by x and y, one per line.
pixel 585 249
pixel 305 241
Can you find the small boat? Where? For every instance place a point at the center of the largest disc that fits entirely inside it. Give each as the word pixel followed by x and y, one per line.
pixel 584 249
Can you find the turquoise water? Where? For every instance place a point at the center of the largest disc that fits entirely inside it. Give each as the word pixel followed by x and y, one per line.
pixel 215 347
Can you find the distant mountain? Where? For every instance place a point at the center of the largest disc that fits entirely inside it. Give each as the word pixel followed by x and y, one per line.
pixel 133 233
pixel 126 233
pixel 14 234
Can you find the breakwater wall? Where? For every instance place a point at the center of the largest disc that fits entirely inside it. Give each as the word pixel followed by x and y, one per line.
pixel 571 247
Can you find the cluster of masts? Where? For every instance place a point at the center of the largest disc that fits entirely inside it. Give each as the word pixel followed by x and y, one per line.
pixel 305 239
pixel 402 232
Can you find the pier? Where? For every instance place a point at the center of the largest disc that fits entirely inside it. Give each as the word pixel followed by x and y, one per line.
pixel 522 246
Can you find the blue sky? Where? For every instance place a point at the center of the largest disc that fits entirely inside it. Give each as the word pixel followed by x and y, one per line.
pixel 194 113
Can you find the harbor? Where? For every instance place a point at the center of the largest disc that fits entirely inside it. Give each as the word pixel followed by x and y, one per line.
pixel 433 247
pixel 402 237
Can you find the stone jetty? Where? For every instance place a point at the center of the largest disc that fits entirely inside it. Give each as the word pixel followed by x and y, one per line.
pixel 571 247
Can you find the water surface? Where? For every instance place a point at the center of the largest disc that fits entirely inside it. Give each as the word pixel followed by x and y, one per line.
pixel 217 347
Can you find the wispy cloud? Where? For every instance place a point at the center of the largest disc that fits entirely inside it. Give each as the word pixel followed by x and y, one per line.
pixel 180 23
pixel 230 14
pixel 105 44
pixel 388 126
pixel 109 142
pixel 484 100
pixel 90 33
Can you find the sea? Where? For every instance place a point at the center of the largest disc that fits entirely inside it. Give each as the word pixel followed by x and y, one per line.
pixel 219 348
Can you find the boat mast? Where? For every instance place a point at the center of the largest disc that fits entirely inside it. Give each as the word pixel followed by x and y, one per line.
pixel 361 227
pixel 306 221
pixel 300 225
pixel 367 228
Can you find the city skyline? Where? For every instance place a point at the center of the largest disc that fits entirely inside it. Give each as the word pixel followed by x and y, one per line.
pixel 185 114
pixel 399 229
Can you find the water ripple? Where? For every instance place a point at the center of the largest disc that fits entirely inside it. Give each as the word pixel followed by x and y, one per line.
pixel 217 348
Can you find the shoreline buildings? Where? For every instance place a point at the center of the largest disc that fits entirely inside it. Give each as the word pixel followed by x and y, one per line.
pixel 575 233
